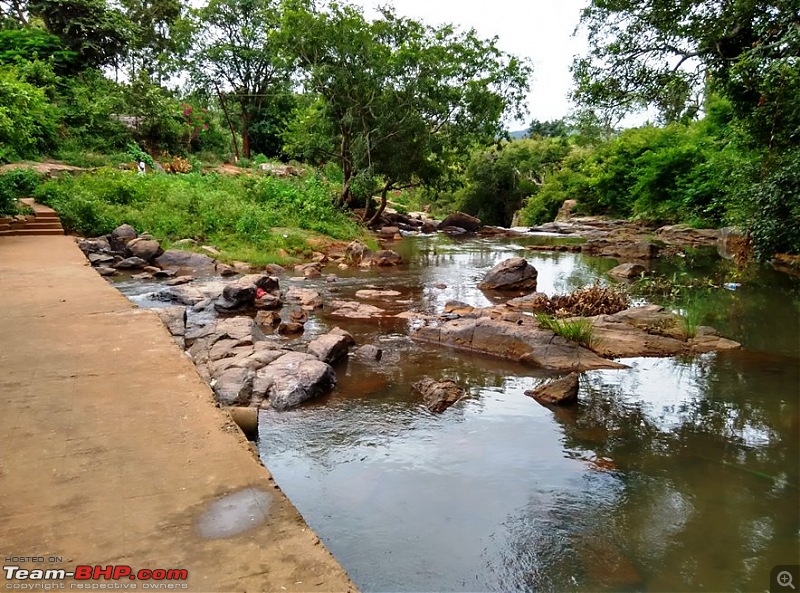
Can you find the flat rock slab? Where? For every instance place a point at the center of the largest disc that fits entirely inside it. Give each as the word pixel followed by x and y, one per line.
pixel 524 342
pixel 639 331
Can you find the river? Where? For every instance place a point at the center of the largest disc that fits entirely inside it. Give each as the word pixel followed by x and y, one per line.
pixel 679 474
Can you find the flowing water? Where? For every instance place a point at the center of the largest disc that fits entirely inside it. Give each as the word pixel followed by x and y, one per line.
pixel 678 474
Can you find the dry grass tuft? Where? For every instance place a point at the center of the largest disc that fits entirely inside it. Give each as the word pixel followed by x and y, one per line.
pixel 584 302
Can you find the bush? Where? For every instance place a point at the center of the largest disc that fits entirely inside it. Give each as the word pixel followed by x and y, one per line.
pixel 773 216
pixel 243 215
pixel 27 120
pixel 16 184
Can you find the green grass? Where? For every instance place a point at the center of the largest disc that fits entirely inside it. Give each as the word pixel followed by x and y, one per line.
pixel 579 330
pixel 690 317
pixel 257 219
pixel 15 184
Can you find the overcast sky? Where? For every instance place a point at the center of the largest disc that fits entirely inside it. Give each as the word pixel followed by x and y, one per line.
pixel 540 30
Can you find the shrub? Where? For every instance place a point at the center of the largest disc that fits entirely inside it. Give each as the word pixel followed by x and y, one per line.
pixel 16 184
pixel 27 120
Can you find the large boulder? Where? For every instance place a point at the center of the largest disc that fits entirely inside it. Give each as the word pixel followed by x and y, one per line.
pixel 130 263
pixel 329 348
pixel 461 220
pixel 242 292
pixel 145 248
pixel 438 395
pixel 558 392
pixel 514 273
pixel 234 387
pixel 174 318
pixel 174 258
pixel 292 379
pixel 121 236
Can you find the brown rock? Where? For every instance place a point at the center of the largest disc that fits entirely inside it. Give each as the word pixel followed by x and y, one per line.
pixel 438 395
pixel 145 249
pixel 368 352
pixel 514 273
pixel 558 392
pixel 461 220
pixel 268 318
pixel 329 348
pixel 290 328
pixel 627 271
pixel 306 297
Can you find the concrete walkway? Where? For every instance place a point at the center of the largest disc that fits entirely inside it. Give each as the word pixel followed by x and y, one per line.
pixel 111 448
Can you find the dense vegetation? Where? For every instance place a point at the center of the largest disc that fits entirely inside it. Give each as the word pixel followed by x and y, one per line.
pixel 397 109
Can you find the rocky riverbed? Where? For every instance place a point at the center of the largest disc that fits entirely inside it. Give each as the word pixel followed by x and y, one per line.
pixel 241 329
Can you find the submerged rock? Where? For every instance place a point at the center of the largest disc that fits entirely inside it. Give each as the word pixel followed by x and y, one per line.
pixel 438 395
pixel 514 273
pixel 130 263
pixel 368 352
pixel 354 310
pixel 306 297
pixel 627 271
pixel 558 392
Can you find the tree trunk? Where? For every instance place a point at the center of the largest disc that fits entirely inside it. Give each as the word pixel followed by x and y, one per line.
pixel 382 207
pixel 245 134
pixel 230 123
pixel 347 171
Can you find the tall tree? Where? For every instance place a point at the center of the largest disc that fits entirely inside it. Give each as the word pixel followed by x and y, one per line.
pixel 96 33
pixel 401 101
pixel 238 52
pixel 663 53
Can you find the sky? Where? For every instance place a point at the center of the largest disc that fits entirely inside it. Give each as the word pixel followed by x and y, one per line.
pixel 540 30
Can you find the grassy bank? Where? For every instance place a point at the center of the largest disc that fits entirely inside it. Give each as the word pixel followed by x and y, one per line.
pixel 253 218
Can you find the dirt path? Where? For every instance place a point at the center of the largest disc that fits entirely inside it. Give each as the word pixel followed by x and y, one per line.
pixel 112 451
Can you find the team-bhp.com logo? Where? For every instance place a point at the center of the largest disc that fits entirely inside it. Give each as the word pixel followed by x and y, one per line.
pixel 89 577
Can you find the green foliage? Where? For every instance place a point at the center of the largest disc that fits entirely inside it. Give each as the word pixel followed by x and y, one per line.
pixel 400 101
pixel 92 31
pixel 18 46
pixel 27 122
pixel 577 330
pixel 772 212
pixel 238 50
pixel 240 214
pixel 498 180
pixel 15 184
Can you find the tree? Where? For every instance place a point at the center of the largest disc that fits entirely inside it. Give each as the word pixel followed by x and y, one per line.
pixel 95 33
pixel 663 53
pixel 239 51
pixel 401 102
pixel 160 35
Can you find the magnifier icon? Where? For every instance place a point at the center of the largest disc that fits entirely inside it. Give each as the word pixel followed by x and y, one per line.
pixel 785 579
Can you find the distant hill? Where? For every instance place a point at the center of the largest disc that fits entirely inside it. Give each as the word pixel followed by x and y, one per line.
pixel 519 134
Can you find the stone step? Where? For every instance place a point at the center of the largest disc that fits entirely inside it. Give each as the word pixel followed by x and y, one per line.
pixel 46 215
pixel 36 225
pixel 30 232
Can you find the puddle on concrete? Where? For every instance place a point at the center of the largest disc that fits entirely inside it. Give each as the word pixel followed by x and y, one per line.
pixel 234 514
